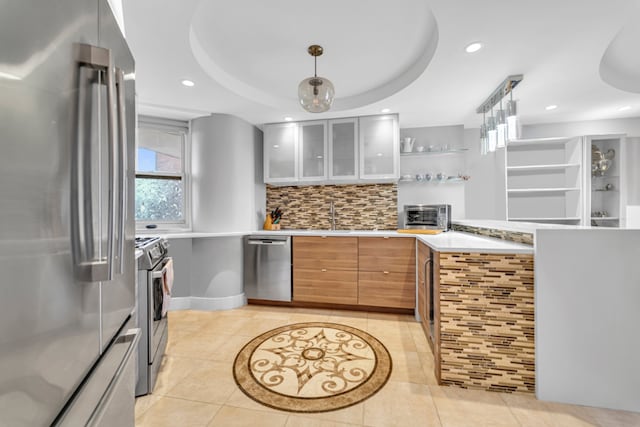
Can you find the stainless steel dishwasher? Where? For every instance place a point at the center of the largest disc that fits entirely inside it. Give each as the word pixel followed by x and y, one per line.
pixel 267 267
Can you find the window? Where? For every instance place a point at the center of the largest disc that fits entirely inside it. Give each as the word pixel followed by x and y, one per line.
pixel 161 173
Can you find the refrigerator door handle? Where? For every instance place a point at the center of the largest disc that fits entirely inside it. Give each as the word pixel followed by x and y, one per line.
pixel 113 156
pixel 122 162
pixel 90 267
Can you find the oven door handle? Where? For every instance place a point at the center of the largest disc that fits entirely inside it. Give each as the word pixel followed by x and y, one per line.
pixel 158 274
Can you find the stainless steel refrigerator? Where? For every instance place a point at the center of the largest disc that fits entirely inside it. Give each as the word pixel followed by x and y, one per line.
pixel 67 288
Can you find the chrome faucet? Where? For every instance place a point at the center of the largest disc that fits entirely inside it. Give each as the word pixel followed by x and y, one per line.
pixel 332 214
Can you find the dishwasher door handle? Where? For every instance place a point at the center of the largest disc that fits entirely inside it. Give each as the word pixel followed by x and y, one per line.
pixel 267 242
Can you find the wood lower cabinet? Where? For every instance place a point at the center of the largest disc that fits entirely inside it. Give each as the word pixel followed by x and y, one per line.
pixel 317 252
pixel 324 285
pixel 367 271
pixel 387 272
pixel 386 289
pixel 325 269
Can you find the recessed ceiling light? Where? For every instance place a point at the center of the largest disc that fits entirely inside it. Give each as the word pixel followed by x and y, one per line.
pixel 188 83
pixel 288 119
pixel 473 47
pixel 379 154
pixel 550 107
pixel 386 110
pixel 276 146
pixel 625 108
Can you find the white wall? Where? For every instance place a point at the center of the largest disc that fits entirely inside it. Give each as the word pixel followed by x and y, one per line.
pixel 449 164
pixel 587 292
pixel 227 189
pixel 116 8
pixel 485 192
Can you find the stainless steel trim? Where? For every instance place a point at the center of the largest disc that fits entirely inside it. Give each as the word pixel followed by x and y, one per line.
pixel 428 217
pixel 100 416
pixel 113 155
pixel 87 267
pixel 424 268
pixel 267 267
pixel 157 274
pixel 122 188
pixel 93 397
pixel 267 242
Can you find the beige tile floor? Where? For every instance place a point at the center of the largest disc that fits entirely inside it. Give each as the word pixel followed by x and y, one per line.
pixel 196 388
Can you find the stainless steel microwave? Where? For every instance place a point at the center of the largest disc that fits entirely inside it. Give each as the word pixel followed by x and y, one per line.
pixel 427 217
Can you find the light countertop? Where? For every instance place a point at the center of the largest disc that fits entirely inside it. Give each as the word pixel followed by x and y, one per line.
pixel 517 226
pixel 451 241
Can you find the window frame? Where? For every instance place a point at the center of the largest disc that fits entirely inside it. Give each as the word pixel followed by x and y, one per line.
pixel 177 127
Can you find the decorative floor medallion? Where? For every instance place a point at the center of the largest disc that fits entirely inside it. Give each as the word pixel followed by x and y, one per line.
pixel 312 367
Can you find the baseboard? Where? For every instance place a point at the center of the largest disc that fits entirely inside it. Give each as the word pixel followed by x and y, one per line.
pixel 207 304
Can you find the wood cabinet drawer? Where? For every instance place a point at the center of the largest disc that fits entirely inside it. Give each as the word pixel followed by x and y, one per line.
pixel 331 253
pixel 390 289
pixel 394 254
pixel 325 285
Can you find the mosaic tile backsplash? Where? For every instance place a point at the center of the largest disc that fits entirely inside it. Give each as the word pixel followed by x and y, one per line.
pixel 357 207
pixel 512 236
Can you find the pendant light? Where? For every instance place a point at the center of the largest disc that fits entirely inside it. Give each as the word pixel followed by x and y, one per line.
pixel 316 93
pixel 501 126
pixel 483 136
pixel 492 134
pixel 514 130
pixel 504 126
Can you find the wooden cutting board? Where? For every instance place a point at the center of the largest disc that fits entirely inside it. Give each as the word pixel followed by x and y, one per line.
pixel 410 231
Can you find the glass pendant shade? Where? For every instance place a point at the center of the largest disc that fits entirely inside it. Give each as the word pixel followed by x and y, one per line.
pixel 514 129
pixel 501 128
pixel 316 94
pixel 492 134
pixel 483 139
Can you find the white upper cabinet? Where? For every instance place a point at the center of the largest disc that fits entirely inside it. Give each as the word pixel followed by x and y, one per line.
pixel 281 153
pixel 343 149
pixel 312 144
pixel 352 150
pixel 379 148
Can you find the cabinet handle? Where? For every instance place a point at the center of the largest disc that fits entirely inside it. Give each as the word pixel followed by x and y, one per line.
pixel 385 237
pixel 385 272
pixel 323 237
pixel 323 270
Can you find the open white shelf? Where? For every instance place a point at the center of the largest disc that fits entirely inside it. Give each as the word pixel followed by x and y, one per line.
pixel 542 168
pixel 537 142
pixel 552 219
pixel 544 180
pixel 546 191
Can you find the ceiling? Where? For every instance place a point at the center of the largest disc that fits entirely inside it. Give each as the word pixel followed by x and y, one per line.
pixel 247 57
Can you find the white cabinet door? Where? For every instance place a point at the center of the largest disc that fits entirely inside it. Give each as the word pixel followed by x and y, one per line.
pixel 343 149
pixel 379 148
pixel 280 153
pixel 312 144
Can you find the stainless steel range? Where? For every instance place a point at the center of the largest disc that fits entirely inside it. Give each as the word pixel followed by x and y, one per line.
pixel 155 272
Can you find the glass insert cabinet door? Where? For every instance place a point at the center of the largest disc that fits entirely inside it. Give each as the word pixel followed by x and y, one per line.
pixel 379 139
pixel 313 151
pixel 343 149
pixel 281 152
